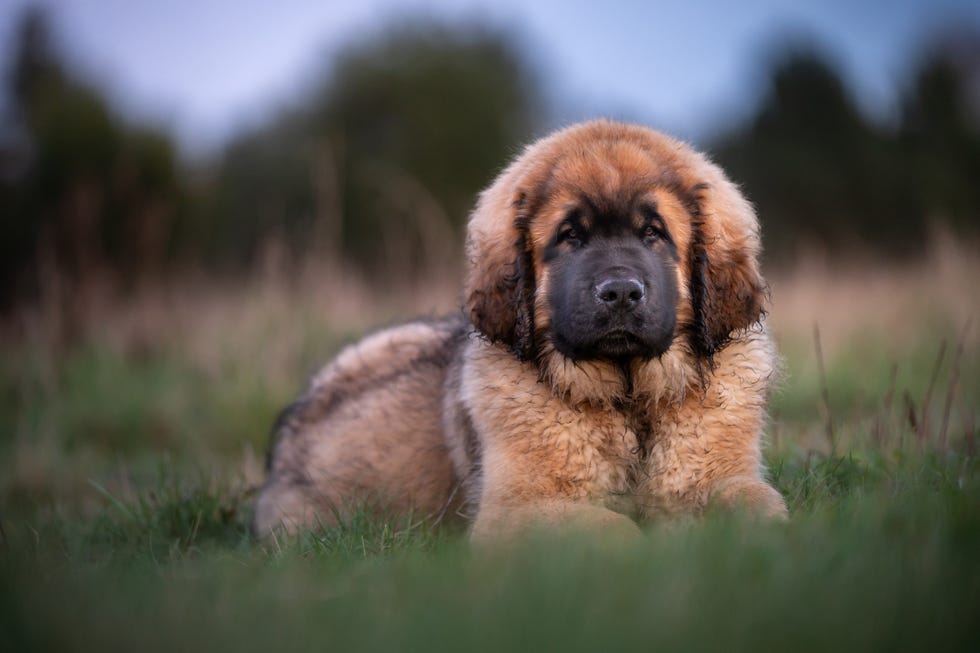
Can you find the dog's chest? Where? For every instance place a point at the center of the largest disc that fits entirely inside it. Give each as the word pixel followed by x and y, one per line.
pixel 658 465
pixel 629 446
pixel 613 446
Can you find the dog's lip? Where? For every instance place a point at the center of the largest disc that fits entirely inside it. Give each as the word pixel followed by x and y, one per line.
pixel 619 333
pixel 616 344
pixel 619 338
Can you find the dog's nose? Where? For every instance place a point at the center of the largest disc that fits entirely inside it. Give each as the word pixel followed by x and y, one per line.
pixel 620 293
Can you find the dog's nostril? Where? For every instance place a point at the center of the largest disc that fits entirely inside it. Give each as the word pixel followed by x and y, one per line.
pixel 620 292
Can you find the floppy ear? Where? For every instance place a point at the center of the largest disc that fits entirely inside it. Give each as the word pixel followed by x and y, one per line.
pixel 499 289
pixel 728 292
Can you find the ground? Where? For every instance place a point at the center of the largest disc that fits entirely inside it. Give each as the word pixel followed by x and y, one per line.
pixel 130 449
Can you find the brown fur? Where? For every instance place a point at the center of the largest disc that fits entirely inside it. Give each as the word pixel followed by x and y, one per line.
pixel 488 420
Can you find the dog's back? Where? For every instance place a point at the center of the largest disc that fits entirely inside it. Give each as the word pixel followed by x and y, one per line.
pixel 368 429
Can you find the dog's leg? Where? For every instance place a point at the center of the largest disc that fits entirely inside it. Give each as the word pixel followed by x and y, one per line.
pixel 749 494
pixel 497 522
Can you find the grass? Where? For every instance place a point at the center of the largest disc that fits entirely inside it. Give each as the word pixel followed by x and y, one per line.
pixel 881 555
pixel 129 457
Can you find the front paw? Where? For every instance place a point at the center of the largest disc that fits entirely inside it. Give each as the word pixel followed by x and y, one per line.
pixel 551 517
pixel 750 495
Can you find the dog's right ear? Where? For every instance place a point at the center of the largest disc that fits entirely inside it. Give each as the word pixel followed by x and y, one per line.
pixel 499 288
pixel 728 293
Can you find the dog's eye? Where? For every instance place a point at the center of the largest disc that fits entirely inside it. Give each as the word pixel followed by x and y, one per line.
pixel 651 233
pixel 569 235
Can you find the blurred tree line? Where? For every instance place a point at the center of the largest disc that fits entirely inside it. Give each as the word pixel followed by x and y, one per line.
pixel 822 175
pixel 378 167
pixel 380 163
pixel 81 194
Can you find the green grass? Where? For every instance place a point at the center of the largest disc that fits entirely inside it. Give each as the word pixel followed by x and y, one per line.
pixel 880 555
pixel 127 476
pixel 100 398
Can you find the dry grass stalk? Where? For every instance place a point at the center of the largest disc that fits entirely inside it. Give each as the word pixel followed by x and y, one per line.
pixel 926 428
pixel 953 385
pixel 824 391
pixel 882 419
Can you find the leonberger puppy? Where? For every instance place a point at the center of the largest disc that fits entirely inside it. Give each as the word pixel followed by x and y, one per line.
pixel 610 367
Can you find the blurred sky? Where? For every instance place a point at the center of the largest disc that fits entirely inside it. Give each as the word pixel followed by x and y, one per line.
pixel 204 68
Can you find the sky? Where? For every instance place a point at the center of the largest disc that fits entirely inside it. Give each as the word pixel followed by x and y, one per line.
pixel 206 68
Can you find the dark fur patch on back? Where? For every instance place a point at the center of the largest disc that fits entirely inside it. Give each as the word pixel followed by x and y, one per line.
pixel 286 422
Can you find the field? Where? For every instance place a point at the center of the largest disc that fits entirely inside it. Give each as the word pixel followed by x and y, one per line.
pixel 130 450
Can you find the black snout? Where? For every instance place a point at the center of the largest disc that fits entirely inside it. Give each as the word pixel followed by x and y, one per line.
pixel 613 299
pixel 623 294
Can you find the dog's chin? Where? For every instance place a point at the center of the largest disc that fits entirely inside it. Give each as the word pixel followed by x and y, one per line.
pixel 615 346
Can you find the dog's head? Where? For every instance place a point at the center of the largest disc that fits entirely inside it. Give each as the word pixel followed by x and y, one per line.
pixel 612 242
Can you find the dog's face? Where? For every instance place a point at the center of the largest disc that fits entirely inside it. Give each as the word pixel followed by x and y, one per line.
pixel 612 279
pixel 609 242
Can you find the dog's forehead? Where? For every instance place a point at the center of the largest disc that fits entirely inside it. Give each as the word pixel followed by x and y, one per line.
pixel 613 180
pixel 608 170
pixel 611 176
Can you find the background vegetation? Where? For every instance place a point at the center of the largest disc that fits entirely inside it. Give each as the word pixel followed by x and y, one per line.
pixel 156 313
pixel 378 163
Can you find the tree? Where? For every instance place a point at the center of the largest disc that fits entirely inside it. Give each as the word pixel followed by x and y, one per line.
pixel 822 174
pixel 87 199
pixel 384 159
pixel 940 133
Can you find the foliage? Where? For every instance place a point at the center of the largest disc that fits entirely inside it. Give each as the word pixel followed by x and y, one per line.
pixel 378 165
pixel 383 161
pixel 823 175
pixel 85 195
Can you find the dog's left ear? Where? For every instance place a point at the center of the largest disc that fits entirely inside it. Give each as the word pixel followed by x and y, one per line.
pixel 500 279
pixel 728 292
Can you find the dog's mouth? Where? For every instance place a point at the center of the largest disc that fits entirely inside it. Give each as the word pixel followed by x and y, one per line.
pixel 622 340
pixel 622 344
pixel 619 338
